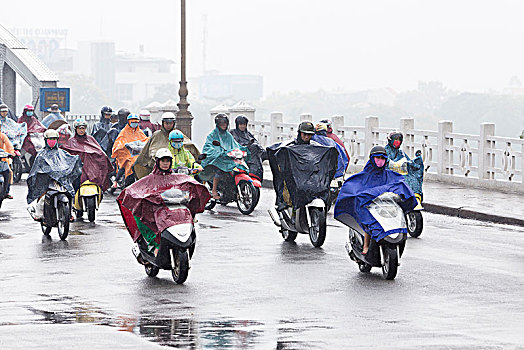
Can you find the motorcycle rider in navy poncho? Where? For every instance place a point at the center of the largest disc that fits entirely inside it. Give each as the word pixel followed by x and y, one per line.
pixel 52 164
pixel 244 138
pixel 360 189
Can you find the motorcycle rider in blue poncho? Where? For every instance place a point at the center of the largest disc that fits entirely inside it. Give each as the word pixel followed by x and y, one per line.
pixel 217 161
pixel 413 170
pixel 321 137
pixel 101 129
pixel 362 188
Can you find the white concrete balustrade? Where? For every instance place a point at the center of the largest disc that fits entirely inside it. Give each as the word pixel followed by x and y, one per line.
pixel 484 160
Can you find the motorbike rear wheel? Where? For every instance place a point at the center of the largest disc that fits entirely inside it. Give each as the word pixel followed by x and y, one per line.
pixel 181 268
pixel 91 208
pixel 246 198
pixel 152 270
pixel 389 269
pixel 415 223
pixel 17 169
pixel 64 215
pixel 317 230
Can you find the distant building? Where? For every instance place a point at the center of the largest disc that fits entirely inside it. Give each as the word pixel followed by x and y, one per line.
pixel 139 77
pixel 514 87
pixel 232 86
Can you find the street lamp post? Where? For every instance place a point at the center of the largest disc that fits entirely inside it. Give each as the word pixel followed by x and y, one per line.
pixel 183 116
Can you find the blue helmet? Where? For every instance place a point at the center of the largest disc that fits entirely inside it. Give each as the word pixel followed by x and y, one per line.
pixel 132 116
pixel 176 135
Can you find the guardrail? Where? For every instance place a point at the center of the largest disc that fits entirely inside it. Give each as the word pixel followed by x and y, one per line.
pixel 484 160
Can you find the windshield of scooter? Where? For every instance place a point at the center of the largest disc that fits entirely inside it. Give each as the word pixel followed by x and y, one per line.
pixel 175 196
pixel 387 212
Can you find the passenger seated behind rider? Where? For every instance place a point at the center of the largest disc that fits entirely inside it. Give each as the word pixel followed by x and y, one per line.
pixel 217 162
pixel 181 156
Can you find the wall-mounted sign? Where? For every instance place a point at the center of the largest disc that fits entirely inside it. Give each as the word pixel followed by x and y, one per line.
pixel 50 96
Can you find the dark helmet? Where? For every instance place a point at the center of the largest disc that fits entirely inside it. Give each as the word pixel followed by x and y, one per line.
pixel 395 135
pixel 241 119
pixel 122 114
pixel 329 124
pixel 106 110
pixel 221 117
pixel 378 151
pixel 306 127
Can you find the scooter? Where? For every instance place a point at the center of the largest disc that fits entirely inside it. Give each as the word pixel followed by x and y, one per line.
pixel 237 186
pixel 415 222
pixel 310 219
pixel 387 252
pixel 57 210
pixel 177 243
pixel 87 198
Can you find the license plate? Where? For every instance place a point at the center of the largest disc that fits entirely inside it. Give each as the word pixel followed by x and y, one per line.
pixel 136 250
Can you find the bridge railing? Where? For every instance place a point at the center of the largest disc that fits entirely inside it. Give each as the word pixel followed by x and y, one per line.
pixel 484 160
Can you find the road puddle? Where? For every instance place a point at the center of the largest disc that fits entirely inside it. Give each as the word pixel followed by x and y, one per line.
pixel 181 332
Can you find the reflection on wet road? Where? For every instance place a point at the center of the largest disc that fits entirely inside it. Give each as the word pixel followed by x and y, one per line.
pixel 459 286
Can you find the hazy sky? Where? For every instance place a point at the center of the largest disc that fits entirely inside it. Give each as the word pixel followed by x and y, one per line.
pixel 307 45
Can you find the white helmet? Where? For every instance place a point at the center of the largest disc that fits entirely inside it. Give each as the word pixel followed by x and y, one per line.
pixel 79 122
pixel 163 153
pixel 144 114
pixel 51 134
pixel 168 116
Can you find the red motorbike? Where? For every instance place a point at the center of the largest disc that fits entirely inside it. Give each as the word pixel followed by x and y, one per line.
pixel 237 186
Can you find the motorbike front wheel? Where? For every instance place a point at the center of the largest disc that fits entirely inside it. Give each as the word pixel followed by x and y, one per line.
pixel 289 236
pixel 151 270
pixel 317 230
pixel 17 169
pixel 389 269
pixel 246 200
pixel 64 215
pixel 181 268
pixel 46 230
pixel 415 223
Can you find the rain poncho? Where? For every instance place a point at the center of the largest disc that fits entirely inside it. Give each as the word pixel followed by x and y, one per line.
pixel 52 118
pixel 360 189
pixel 182 157
pixel 306 170
pixel 16 132
pixel 52 164
pixel 100 133
pixel 143 200
pixel 342 158
pixel 217 155
pixel 146 160
pixel 257 152
pixel 414 168
pixel 95 163
pixel 6 145
pixel 34 129
pixel 123 157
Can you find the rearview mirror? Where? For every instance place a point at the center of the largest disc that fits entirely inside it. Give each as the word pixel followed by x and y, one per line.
pixel 202 156
pixel 216 143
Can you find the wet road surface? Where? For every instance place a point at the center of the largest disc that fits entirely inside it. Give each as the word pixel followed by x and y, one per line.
pixel 461 285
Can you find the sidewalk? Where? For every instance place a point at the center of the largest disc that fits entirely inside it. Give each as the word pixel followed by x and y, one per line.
pixel 462 202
